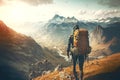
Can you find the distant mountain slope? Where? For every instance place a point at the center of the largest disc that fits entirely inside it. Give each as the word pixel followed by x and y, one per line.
pixel 107 68
pixel 106 41
pixel 113 32
pixel 18 52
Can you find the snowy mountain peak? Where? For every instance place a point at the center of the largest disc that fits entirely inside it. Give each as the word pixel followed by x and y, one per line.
pixel 60 19
pixel 57 19
pixel 71 19
pixel 58 16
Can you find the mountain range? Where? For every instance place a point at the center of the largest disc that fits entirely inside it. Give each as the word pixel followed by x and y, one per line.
pixel 103 32
pixel 60 27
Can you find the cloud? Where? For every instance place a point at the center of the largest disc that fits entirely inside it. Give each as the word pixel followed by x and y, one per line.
pixel 99 14
pixel 31 2
pixel 107 13
pixel 37 2
pixel 110 3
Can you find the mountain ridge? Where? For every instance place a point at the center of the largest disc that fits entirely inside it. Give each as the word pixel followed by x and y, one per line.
pixel 18 52
pixel 105 41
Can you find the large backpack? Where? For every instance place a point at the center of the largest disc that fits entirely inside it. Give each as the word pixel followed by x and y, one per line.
pixel 81 41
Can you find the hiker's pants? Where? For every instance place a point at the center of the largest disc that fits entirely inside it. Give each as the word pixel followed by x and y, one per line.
pixel 80 59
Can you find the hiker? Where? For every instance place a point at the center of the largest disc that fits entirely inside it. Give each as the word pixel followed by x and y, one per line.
pixel 78 47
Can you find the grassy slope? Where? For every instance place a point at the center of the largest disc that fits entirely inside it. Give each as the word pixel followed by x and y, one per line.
pixel 94 70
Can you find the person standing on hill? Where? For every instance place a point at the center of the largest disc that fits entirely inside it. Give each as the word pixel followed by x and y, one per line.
pixel 78 46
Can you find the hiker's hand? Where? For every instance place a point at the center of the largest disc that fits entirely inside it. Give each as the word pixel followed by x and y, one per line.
pixel 86 56
pixel 68 55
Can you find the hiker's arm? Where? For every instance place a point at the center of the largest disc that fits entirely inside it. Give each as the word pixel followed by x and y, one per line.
pixel 69 45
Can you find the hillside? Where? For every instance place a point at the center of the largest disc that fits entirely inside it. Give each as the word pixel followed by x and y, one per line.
pixel 107 68
pixel 18 52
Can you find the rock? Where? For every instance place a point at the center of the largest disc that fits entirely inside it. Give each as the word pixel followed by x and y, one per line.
pixel 46 72
pixel 58 68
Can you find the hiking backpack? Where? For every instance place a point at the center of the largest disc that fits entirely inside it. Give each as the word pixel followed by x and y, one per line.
pixel 81 41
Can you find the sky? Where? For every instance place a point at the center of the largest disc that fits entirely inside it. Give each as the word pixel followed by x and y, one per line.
pixel 21 11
